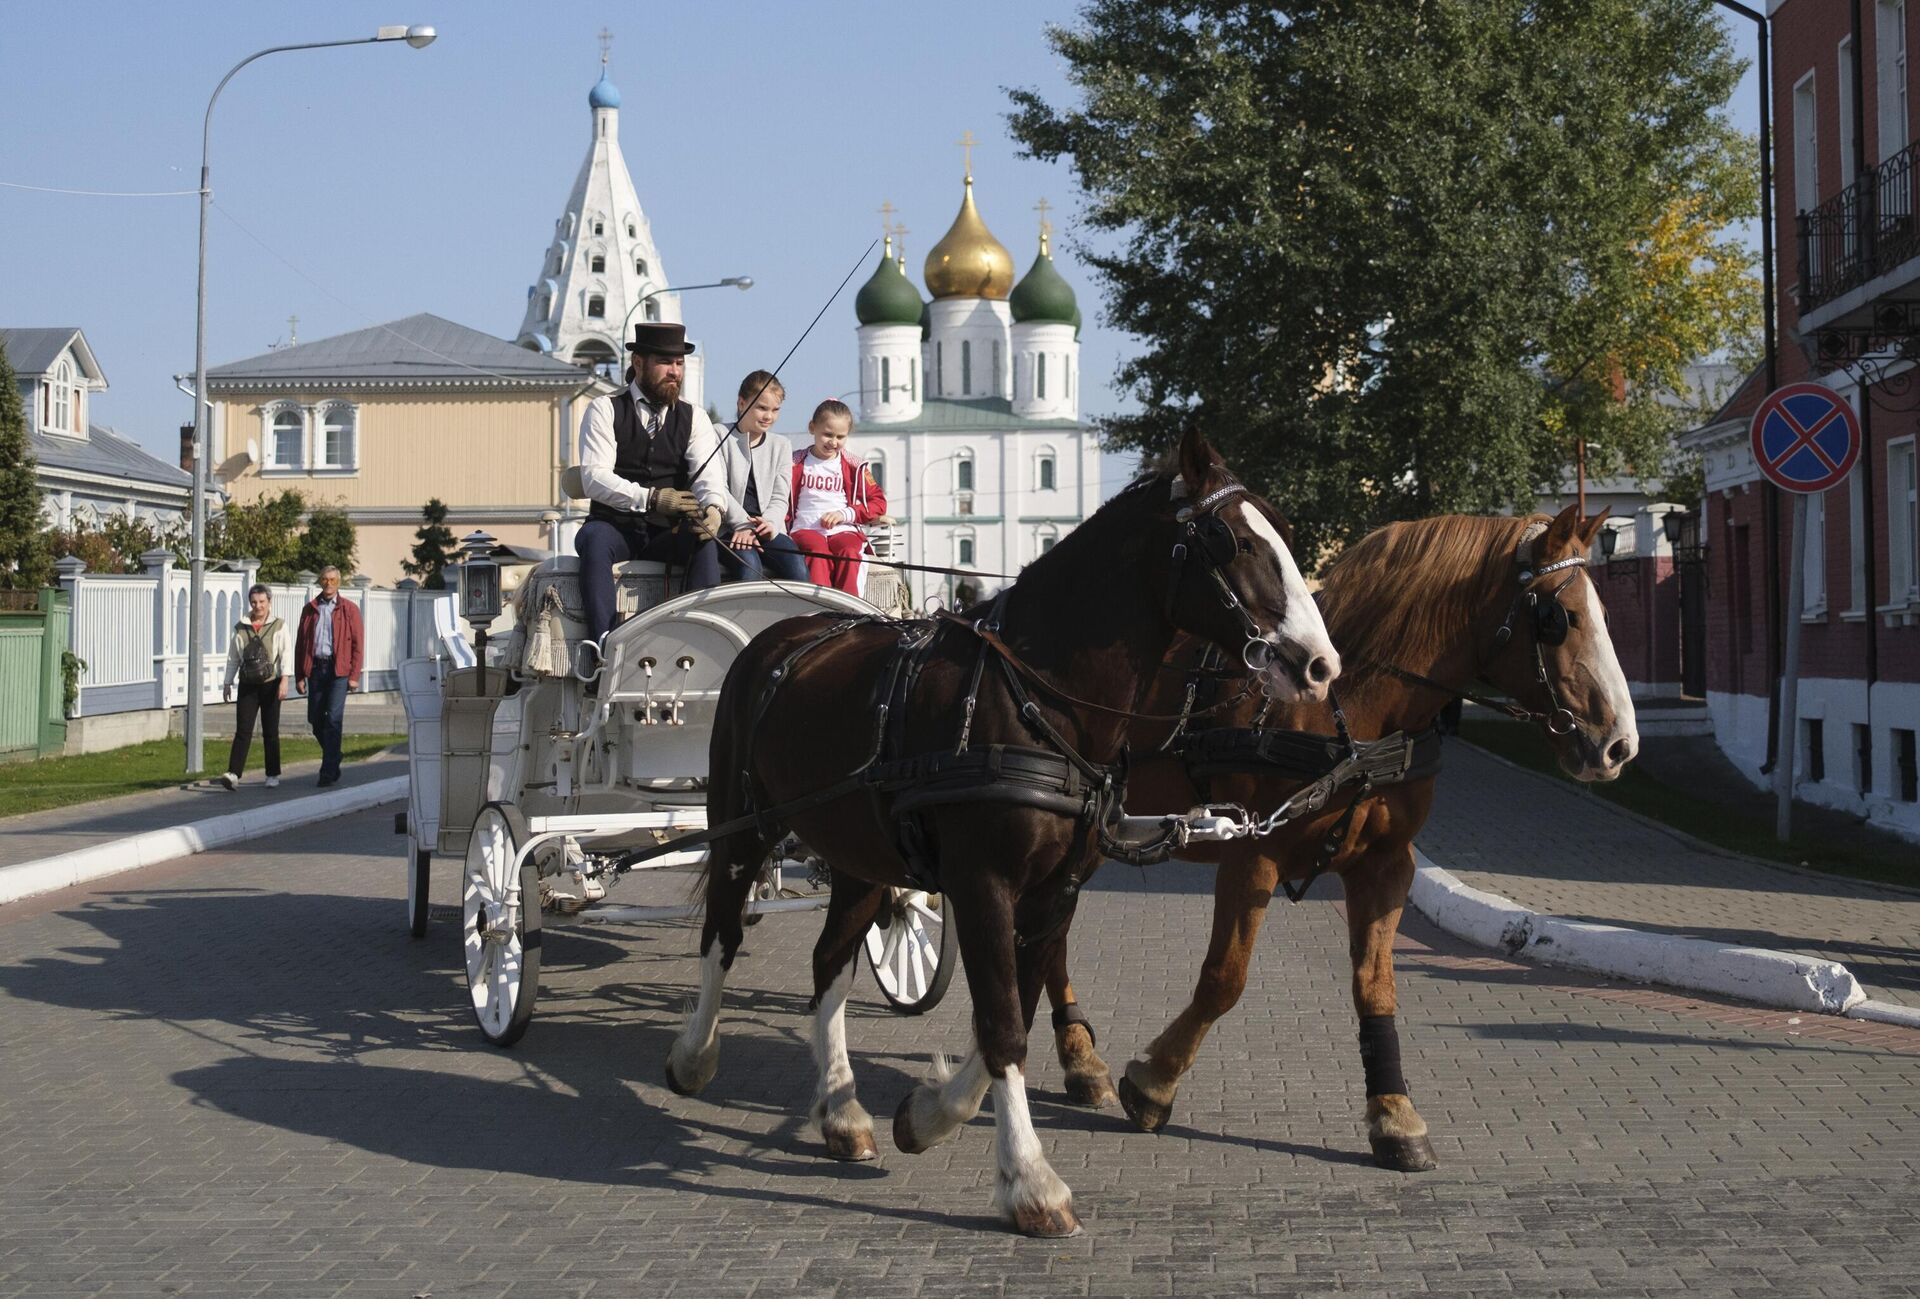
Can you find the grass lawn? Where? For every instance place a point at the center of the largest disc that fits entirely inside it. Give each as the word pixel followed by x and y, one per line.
pixel 1859 853
pixel 58 782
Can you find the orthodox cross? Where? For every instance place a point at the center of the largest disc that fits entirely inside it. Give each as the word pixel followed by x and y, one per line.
pixel 1046 227
pixel 293 330
pixel 967 142
pixel 887 210
pixel 606 44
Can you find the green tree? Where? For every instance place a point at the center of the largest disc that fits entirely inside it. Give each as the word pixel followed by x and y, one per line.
pixel 26 557
pixel 267 530
pixel 116 543
pixel 433 547
pixel 330 538
pixel 1395 254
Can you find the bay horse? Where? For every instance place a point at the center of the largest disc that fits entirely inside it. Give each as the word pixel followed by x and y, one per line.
pixel 991 748
pixel 1423 612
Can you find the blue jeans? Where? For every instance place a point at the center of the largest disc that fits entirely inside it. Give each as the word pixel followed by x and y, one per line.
pixel 777 557
pixel 327 714
pixel 602 543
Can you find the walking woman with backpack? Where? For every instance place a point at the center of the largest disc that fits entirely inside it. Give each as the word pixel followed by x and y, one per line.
pixel 260 660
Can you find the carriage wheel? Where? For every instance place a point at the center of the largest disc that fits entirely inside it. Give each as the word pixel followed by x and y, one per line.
pixel 419 871
pixel 502 930
pixel 912 949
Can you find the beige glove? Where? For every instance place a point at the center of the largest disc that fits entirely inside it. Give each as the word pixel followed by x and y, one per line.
pixel 672 503
pixel 709 523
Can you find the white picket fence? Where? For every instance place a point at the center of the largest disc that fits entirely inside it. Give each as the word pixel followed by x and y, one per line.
pixel 131 630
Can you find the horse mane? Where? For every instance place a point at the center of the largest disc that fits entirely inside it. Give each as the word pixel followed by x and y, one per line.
pixel 1408 588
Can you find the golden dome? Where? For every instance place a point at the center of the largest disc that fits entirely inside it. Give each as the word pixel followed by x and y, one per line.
pixel 969 262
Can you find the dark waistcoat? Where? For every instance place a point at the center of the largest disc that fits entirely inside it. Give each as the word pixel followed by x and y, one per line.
pixel 656 461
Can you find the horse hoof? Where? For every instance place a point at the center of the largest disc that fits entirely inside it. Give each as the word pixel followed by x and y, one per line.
pixel 1147 1115
pixel 691 1081
pixel 854 1146
pixel 1404 1154
pixel 904 1137
pixel 1050 1224
pixel 1095 1091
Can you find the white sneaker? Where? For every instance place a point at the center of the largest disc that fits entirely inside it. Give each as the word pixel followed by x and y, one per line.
pixel 230 780
pixel 273 782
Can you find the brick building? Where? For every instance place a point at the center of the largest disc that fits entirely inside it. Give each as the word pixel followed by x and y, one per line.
pixel 1846 200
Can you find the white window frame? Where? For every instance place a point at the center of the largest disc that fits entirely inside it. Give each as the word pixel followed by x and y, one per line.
pixel 1857 540
pixel 60 399
pixel 1044 457
pixel 964 457
pixel 1903 524
pixel 1806 144
pixel 969 557
pixel 1890 75
pixel 877 462
pixel 270 461
pixel 1813 555
pixel 349 458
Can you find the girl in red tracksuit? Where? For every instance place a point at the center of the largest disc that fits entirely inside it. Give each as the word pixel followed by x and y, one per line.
pixel 833 494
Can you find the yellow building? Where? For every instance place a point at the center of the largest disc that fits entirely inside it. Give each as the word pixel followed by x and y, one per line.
pixel 380 420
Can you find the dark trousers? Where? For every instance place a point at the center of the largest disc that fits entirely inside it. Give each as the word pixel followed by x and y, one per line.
pixel 602 543
pixel 260 700
pixel 327 713
pixel 777 557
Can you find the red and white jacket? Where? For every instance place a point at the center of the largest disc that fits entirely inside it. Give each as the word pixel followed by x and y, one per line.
pixel 865 501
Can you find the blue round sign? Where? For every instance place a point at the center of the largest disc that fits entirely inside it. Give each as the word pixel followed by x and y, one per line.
pixel 1805 437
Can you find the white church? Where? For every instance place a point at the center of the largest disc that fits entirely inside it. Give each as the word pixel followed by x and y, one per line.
pixel 969 404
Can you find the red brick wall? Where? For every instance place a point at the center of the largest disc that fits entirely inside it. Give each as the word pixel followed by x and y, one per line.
pixel 1642 597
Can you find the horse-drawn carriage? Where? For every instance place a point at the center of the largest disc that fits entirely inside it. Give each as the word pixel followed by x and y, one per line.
pixel 541 763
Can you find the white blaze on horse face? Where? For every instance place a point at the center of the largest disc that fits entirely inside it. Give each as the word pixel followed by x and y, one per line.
pixel 1602 666
pixel 1302 623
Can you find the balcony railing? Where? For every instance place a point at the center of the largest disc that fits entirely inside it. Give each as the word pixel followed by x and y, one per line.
pixel 1862 232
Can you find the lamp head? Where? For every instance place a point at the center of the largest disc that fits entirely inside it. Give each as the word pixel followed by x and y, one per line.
pixel 741 282
pixel 420 36
pixel 1609 538
pixel 1671 523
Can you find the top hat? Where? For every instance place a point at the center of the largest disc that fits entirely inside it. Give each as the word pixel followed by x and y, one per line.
pixel 660 338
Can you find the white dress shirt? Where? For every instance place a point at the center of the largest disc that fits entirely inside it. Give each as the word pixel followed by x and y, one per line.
pixel 598 450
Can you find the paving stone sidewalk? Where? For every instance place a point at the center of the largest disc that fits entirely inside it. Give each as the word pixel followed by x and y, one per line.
pixel 33 835
pixel 235 1074
pixel 1554 848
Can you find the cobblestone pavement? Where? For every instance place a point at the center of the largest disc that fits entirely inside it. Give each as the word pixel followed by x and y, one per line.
pixel 1554 848
pixel 236 1075
pixel 33 835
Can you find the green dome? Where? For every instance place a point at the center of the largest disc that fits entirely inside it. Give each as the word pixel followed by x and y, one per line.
pixel 887 298
pixel 1042 297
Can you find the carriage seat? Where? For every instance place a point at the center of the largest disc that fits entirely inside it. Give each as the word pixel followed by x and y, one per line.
pixel 551 613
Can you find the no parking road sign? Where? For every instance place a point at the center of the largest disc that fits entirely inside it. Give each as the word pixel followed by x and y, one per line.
pixel 1805 437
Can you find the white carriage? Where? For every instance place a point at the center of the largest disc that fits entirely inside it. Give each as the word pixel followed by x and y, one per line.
pixel 542 765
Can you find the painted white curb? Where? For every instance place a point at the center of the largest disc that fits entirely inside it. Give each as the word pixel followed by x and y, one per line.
pixel 24 879
pixel 1751 973
pixel 1885 1012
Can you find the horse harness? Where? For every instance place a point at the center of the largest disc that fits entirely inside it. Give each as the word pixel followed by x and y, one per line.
pixel 1328 763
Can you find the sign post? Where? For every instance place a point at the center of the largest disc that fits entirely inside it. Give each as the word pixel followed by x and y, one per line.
pixel 1805 439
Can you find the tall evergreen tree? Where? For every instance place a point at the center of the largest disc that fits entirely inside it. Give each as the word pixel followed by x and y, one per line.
pixel 433 547
pixel 26 555
pixel 330 538
pixel 1396 255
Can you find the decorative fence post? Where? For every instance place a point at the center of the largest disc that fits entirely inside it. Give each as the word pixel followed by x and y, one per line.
pixel 159 566
pixel 56 611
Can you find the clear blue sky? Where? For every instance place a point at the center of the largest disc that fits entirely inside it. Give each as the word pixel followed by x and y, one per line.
pixel 385 181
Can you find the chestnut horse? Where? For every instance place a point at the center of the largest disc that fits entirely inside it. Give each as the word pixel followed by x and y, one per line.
pixel 1423 612
pixel 1039 686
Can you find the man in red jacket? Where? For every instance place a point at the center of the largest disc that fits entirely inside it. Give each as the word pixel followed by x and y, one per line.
pixel 328 652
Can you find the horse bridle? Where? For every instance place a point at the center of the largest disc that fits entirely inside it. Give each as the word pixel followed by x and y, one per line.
pixel 1205 538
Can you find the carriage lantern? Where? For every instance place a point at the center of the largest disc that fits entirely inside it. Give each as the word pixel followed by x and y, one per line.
pixel 479 592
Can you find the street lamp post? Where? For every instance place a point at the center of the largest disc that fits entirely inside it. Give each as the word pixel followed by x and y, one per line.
pixel 419 38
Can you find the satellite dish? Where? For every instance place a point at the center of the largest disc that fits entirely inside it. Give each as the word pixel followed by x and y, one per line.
pixel 253 452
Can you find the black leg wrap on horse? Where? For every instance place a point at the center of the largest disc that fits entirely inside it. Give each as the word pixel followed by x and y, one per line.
pixel 1380 1055
pixel 1072 1014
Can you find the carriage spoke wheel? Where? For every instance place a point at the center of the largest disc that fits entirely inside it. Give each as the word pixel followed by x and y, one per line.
pixel 912 950
pixel 419 872
pixel 500 918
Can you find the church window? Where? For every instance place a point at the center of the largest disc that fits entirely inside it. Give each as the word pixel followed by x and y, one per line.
pixel 653 309
pixel 1046 473
pixel 283 446
pixel 913 379
pixel 639 265
pixel 546 307
pixel 966 367
pixel 1040 377
pixel 963 472
pixel 886 378
pixel 630 233
pixel 996 368
pixel 596 307
pixel 1046 544
pixel 599 227
pixel 965 550
pixel 877 466
pixel 336 445
pixel 598 263
pixel 939 369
